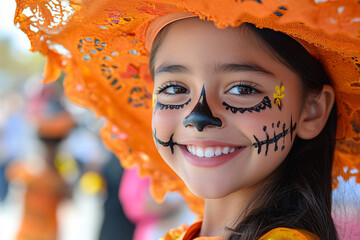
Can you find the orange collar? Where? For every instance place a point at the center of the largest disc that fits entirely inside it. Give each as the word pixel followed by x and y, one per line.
pixel 193 233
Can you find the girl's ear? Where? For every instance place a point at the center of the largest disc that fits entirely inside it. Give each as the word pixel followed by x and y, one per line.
pixel 315 113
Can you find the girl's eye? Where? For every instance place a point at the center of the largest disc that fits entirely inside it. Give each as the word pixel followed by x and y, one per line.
pixel 173 89
pixel 242 90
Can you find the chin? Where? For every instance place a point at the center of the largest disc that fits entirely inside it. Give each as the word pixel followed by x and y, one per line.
pixel 208 189
pixel 211 193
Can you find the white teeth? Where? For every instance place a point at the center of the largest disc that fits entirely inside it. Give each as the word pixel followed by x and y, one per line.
pixel 189 148
pixel 218 151
pixel 225 150
pixel 200 152
pixel 209 151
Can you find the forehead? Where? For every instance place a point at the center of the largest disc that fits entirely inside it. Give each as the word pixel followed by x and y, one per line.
pixel 199 44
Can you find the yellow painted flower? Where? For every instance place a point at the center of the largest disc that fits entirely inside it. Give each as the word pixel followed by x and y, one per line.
pixel 279 95
pixel 154 97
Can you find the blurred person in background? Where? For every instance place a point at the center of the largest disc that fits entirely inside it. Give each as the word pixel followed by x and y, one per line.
pixel 115 225
pixel 12 131
pixel 45 186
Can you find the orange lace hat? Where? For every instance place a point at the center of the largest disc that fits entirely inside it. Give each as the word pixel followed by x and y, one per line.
pixel 102 47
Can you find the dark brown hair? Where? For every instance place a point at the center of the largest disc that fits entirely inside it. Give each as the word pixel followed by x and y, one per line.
pixel 298 193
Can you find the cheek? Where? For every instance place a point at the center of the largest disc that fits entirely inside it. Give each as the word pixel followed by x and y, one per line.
pixel 164 125
pixel 260 163
pixel 271 134
pixel 166 121
pixel 262 166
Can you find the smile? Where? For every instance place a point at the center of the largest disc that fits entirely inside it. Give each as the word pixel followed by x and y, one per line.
pixel 209 152
pixel 209 156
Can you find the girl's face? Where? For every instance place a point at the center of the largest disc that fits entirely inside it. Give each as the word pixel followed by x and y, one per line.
pixel 226 110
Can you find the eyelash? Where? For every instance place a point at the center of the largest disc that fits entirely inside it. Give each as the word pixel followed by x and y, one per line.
pixel 167 85
pixel 248 85
pixel 251 86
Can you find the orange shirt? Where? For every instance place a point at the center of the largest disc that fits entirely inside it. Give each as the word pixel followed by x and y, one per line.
pixel 191 233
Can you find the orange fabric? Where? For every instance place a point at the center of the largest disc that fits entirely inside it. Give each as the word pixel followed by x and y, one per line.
pixel 191 233
pixel 184 232
pixel 41 201
pixel 288 234
pixel 176 234
pixel 100 45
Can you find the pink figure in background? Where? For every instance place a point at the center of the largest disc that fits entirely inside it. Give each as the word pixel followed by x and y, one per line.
pixel 133 193
pixel 151 218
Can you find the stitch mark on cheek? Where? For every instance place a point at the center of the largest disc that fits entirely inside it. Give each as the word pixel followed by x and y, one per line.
pixel 258 144
pixel 169 143
pixel 260 106
pixel 162 106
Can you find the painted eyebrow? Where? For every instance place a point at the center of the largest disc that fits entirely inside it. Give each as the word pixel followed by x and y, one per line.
pixel 224 68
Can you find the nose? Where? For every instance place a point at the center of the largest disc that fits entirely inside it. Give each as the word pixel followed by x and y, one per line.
pixel 201 116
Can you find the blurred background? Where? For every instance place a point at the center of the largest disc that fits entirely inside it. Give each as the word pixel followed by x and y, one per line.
pixel 64 184
pixel 57 180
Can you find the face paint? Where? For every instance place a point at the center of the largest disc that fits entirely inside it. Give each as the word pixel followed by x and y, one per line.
pixel 242 167
pixel 258 144
pixel 260 106
pixel 169 106
pixel 154 98
pixel 169 143
pixel 201 116
pixel 279 95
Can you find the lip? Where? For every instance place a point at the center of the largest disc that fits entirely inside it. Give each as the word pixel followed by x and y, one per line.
pixel 209 162
pixel 207 143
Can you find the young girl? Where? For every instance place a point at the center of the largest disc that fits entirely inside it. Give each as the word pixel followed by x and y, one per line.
pixel 216 127
pixel 244 115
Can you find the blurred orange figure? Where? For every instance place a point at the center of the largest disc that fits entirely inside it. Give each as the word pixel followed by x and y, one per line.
pixel 45 186
pixel 45 190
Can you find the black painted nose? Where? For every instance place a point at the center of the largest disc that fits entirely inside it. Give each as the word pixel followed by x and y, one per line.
pixel 201 116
